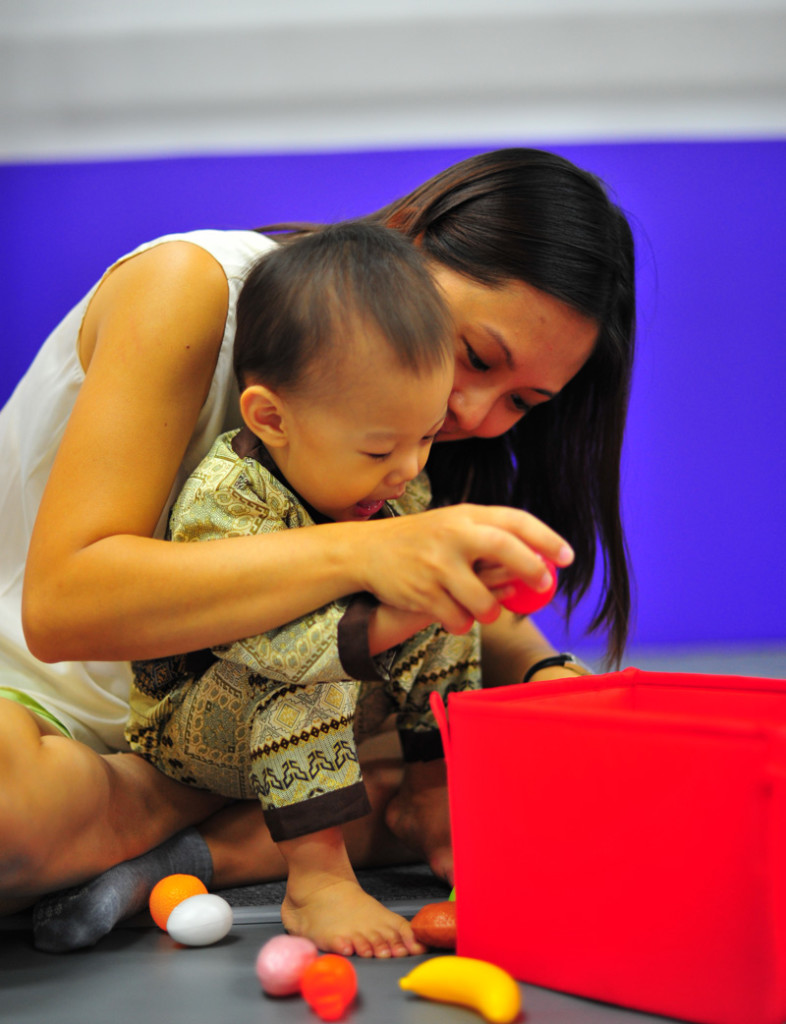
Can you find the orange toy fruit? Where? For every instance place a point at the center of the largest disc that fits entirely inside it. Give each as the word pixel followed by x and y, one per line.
pixel 329 984
pixel 169 892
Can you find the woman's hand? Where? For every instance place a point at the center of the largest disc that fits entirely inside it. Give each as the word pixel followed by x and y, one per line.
pixel 427 563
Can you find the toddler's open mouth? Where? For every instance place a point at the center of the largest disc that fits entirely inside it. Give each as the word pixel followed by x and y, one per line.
pixel 366 509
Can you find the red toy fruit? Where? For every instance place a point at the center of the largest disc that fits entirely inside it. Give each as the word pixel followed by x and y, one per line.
pixel 329 985
pixel 525 600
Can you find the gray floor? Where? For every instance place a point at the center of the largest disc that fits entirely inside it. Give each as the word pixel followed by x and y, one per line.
pixel 761 660
pixel 139 974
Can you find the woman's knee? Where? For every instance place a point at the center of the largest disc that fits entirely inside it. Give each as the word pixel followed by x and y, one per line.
pixel 21 733
pixel 51 788
pixel 20 781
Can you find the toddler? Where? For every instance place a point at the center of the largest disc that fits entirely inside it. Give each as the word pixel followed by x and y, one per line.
pixel 344 361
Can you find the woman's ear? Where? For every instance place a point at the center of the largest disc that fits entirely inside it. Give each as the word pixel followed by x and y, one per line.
pixel 263 413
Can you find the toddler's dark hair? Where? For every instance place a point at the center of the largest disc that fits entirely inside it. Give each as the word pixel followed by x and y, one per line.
pixel 310 296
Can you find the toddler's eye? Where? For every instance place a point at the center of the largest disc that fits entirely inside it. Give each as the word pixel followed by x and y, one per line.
pixel 378 456
pixel 474 359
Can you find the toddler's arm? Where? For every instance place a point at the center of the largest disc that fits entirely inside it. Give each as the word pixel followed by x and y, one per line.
pixel 388 627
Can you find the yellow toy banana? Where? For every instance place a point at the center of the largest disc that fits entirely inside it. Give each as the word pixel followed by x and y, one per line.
pixel 475 983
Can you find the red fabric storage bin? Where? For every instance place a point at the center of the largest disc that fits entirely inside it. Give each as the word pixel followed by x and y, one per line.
pixel 623 837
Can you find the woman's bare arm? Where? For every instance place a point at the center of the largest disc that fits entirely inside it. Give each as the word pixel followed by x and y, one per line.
pixel 511 646
pixel 98 587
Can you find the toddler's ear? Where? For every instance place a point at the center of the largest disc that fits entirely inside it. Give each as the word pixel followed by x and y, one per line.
pixel 262 411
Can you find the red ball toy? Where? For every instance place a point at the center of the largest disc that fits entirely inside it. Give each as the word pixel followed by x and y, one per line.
pixel 329 985
pixel 525 600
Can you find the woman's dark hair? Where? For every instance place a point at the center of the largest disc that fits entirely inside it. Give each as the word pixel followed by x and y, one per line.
pixel 300 302
pixel 532 216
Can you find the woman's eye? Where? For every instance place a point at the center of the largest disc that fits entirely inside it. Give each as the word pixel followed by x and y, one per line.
pixel 474 359
pixel 519 404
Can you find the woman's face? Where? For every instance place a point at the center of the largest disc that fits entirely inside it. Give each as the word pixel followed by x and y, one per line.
pixel 516 347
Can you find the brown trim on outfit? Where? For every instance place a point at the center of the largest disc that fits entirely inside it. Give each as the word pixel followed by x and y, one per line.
pixel 353 650
pixel 324 810
pixel 247 445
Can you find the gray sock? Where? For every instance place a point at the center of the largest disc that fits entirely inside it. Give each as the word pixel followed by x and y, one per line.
pixel 73 918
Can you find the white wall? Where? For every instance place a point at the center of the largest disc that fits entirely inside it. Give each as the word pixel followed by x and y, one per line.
pixel 85 78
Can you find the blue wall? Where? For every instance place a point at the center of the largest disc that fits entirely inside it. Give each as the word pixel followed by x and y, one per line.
pixel 705 481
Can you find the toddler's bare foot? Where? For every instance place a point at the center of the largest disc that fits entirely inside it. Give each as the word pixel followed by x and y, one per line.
pixel 341 918
pixel 419 816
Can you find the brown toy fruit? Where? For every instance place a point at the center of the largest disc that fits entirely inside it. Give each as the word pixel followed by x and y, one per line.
pixel 435 925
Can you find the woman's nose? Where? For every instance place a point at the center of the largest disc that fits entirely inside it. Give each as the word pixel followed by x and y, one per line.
pixel 470 408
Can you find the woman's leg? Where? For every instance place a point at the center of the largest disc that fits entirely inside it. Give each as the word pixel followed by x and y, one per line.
pixel 235 841
pixel 67 813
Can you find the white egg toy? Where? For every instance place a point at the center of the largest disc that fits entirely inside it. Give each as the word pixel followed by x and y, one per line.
pixel 200 920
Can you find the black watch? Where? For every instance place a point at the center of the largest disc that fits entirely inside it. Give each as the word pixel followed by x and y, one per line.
pixel 558 661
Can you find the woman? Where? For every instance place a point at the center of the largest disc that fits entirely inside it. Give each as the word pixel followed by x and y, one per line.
pixel 537 268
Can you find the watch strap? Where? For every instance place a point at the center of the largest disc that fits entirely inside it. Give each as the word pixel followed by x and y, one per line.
pixel 557 661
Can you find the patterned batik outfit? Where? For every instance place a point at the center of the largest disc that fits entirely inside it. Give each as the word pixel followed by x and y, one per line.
pixel 278 715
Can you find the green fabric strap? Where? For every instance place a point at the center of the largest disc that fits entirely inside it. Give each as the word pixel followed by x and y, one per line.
pixel 19 697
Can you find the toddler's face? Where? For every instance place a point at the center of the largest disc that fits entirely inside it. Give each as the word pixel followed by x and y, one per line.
pixel 351 450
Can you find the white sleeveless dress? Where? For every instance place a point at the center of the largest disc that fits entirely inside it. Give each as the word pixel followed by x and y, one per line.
pixel 90 698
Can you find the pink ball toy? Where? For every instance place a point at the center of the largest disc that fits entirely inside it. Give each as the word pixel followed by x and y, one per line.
pixel 525 600
pixel 281 963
